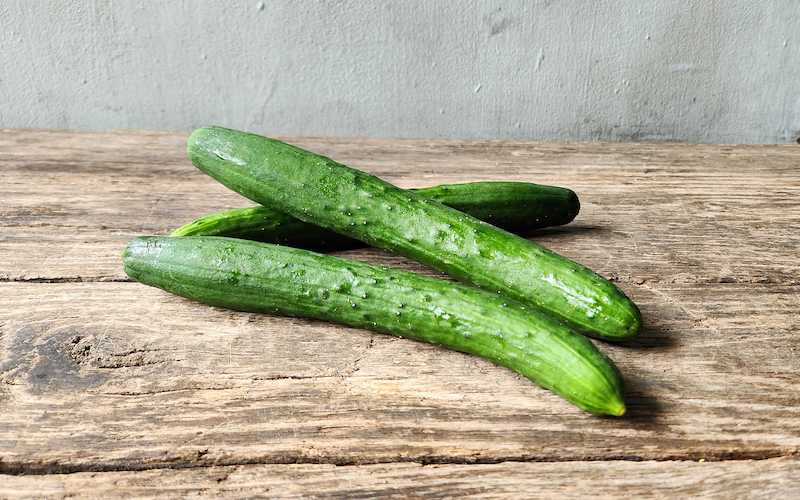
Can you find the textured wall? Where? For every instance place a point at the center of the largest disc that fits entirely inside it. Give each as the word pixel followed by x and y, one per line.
pixel 706 71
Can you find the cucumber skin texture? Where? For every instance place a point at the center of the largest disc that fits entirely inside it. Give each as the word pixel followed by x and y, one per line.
pixel 320 191
pixel 260 277
pixel 514 206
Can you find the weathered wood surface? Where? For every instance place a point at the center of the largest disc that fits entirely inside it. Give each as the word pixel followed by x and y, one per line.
pixel 120 384
pixel 741 479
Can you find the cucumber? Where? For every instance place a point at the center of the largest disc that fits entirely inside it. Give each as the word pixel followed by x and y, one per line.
pixel 515 206
pixel 260 277
pixel 317 190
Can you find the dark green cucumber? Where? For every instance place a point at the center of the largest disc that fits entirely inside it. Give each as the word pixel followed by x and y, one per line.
pixel 320 191
pixel 514 206
pixel 260 277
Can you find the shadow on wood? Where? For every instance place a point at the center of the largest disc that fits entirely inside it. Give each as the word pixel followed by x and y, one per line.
pixel 643 407
pixel 652 337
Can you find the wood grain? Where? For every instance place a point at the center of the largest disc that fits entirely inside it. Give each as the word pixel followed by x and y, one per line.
pixel 655 213
pixel 255 388
pixel 745 479
pixel 115 383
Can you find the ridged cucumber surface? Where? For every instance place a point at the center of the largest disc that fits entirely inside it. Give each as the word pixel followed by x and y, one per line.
pixel 514 206
pixel 260 277
pixel 317 190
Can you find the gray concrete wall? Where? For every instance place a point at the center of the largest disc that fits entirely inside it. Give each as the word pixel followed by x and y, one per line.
pixel 700 71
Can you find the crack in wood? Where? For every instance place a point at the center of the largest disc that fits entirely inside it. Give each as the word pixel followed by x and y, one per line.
pixel 134 363
pixel 226 388
pixel 165 391
pixel 354 365
pixel 66 279
pixel 289 377
pixel 195 459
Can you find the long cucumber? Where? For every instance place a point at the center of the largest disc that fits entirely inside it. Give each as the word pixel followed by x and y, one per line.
pixel 514 206
pixel 260 277
pixel 317 190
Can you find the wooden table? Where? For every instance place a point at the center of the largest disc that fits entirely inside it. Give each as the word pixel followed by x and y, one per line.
pixel 108 387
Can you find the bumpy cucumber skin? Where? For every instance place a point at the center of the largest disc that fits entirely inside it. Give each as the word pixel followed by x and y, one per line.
pixel 514 206
pixel 318 190
pixel 269 226
pixel 260 277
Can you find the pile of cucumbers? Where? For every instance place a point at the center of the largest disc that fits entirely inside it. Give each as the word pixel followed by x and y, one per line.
pixel 524 307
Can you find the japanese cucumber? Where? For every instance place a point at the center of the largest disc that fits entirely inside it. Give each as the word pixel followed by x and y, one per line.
pixel 317 190
pixel 514 206
pixel 260 277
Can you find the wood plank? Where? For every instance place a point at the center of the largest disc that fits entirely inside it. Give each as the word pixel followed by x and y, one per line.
pixel 767 479
pixel 102 376
pixel 655 213
pixel 105 376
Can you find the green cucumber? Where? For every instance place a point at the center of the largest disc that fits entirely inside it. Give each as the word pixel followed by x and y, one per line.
pixel 260 277
pixel 317 190
pixel 514 206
